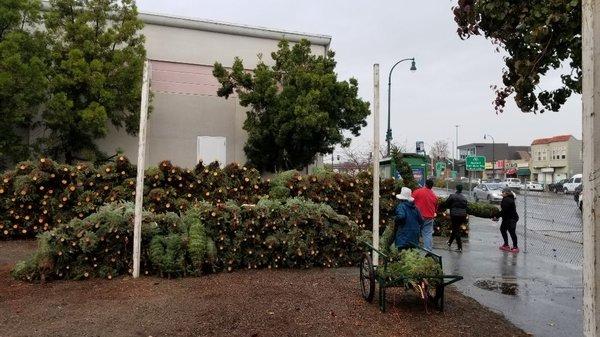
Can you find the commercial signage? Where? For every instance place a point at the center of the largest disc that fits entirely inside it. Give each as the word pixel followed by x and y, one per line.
pixel 419 175
pixel 420 147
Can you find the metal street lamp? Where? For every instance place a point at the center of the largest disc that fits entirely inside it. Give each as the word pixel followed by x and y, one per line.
pixel 493 155
pixel 388 136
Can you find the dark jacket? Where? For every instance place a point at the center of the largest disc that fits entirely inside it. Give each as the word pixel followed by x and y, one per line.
pixel 408 223
pixel 508 209
pixel 457 203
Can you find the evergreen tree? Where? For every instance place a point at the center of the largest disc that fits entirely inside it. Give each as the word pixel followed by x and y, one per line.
pixel 23 64
pixel 97 56
pixel 403 169
pixel 299 109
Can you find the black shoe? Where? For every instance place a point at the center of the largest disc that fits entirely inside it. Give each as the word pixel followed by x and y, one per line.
pixel 459 250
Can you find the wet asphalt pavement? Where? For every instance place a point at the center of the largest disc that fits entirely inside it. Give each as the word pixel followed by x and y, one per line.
pixel 535 292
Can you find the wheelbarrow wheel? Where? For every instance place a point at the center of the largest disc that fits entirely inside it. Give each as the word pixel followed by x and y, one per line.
pixel 367 278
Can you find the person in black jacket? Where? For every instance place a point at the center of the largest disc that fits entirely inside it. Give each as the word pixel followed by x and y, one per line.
pixel 457 203
pixel 508 213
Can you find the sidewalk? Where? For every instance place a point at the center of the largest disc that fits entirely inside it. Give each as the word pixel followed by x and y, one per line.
pixel 539 295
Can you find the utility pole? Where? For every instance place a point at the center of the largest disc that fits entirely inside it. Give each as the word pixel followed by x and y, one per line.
pixel 376 163
pixel 493 154
pixel 591 166
pixel 456 149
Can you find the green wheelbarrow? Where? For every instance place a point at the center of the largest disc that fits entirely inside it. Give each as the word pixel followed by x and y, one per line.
pixel 432 295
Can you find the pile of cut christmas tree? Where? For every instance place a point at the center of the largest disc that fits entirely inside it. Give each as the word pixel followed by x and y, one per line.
pixel 349 195
pixel 206 238
pixel 37 196
pixel 202 220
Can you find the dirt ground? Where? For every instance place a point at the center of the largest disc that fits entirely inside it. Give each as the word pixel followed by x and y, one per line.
pixel 248 303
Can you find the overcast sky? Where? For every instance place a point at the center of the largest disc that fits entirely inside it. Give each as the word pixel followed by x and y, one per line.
pixel 451 86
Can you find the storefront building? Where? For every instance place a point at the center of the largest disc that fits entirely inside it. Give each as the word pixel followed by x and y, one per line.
pixel 555 158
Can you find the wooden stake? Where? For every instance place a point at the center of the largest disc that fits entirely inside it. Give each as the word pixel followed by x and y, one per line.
pixel 139 187
pixel 376 163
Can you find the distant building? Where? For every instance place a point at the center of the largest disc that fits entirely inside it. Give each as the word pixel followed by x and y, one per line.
pixel 189 121
pixel 501 158
pixel 556 158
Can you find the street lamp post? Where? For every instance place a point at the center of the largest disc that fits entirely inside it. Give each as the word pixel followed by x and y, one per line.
pixel 493 154
pixel 388 135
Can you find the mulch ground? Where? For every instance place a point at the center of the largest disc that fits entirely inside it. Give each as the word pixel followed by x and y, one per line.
pixel 248 303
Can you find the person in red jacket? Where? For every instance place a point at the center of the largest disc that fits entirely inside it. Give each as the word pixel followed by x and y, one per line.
pixel 426 202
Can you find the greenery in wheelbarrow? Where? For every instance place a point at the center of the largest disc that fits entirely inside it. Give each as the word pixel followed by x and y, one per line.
pixel 412 264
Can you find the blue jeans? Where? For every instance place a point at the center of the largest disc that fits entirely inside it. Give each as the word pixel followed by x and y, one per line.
pixel 427 234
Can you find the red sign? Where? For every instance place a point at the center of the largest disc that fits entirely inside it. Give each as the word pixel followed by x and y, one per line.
pixel 500 164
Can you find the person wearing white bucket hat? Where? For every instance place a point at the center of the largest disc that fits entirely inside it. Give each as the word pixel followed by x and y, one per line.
pixel 408 220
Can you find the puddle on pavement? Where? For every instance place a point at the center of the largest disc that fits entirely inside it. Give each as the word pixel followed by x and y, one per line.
pixel 502 287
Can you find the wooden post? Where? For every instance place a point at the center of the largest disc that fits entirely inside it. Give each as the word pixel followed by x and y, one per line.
pixel 376 162
pixel 591 166
pixel 139 187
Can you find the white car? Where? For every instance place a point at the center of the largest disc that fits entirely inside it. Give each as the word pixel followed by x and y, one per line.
pixel 533 186
pixel 572 184
pixel 513 183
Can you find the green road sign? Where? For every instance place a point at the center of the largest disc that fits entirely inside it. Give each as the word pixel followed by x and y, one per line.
pixel 440 166
pixel 475 163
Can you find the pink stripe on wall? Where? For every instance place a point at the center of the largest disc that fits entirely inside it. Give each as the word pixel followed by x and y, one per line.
pixel 182 78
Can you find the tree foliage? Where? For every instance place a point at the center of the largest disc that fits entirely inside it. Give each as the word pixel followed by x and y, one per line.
pixel 23 83
pixel 66 75
pixel 539 36
pixel 403 168
pixel 439 149
pixel 299 109
pixel 97 59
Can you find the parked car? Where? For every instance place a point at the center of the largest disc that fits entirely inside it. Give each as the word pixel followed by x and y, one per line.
pixel 491 192
pixel 557 186
pixel 570 185
pixel 513 183
pixel 533 186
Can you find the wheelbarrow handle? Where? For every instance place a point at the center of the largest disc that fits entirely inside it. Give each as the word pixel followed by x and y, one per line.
pixel 371 247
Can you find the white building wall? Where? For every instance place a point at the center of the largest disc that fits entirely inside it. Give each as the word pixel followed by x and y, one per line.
pixel 185 103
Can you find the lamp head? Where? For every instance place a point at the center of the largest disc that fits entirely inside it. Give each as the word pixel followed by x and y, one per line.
pixel 413 66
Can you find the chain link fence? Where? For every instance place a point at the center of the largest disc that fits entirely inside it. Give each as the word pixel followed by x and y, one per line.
pixel 551 225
